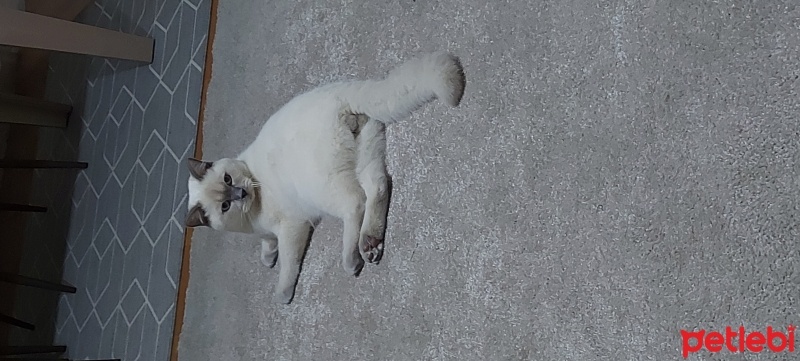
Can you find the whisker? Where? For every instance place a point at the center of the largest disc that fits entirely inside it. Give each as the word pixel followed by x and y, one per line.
pixel 245 214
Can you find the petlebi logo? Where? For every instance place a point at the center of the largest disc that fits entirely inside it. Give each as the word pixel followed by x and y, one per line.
pixel 738 340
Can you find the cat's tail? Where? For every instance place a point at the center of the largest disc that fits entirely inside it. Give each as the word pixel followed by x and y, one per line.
pixel 437 75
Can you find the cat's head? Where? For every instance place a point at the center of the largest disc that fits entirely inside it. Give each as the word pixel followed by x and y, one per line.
pixel 222 194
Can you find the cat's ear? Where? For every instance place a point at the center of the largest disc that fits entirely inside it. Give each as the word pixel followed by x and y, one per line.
pixel 196 217
pixel 198 168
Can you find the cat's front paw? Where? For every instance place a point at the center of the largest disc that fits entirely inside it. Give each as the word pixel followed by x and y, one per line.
pixel 269 253
pixel 269 259
pixel 371 248
pixel 283 296
pixel 352 263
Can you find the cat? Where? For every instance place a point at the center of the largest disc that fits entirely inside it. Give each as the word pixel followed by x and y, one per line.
pixel 322 154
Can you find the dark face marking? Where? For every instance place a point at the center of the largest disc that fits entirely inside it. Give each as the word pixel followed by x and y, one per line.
pixel 198 168
pixel 197 217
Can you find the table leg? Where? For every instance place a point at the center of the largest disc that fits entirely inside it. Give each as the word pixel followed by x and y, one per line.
pixel 29 30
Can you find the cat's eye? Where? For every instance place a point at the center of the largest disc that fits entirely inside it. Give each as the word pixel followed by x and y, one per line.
pixel 228 179
pixel 226 206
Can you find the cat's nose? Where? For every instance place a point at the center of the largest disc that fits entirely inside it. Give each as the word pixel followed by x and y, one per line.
pixel 240 193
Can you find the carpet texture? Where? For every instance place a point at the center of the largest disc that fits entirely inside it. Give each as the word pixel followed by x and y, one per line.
pixel 618 171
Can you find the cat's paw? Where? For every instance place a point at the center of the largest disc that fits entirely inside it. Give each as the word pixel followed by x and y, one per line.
pixel 352 263
pixel 353 122
pixel 269 253
pixel 283 296
pixel 371 248
pixel 269 260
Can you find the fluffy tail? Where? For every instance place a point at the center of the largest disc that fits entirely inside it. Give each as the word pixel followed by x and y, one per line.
pixel 408 87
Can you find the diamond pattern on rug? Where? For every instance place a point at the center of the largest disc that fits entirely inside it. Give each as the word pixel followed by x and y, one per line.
pixel 138 124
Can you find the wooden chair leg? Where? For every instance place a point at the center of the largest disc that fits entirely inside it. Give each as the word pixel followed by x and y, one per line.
pixel 20 109
pixel 46 359
pixel 28 350
pixel 24 29
pixel 33 282
pixel 16 322
pixel 13 207
pixel 30 163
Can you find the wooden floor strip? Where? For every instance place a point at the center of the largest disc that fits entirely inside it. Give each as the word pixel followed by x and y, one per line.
pixel 180 305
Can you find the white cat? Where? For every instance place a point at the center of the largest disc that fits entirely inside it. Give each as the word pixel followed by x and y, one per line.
pixel 323 153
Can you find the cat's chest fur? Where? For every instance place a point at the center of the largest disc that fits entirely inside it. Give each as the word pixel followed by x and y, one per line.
pixel 296 153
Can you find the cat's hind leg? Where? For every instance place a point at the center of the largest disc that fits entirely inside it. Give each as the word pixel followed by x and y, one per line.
pixel 342 196
pixel 349 207
pixel 374 179
pixel 344 199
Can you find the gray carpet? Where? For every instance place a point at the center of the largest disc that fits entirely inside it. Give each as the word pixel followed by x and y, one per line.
pixel 618 171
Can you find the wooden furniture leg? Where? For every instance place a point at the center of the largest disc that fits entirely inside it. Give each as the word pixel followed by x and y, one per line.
pixel 16 322
pixel 33 282
pixel 45 359
pixel 27 350
pixel 29 30
pixel 13 207
pixel 20 109
pixel 67 10
pixel 41 164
